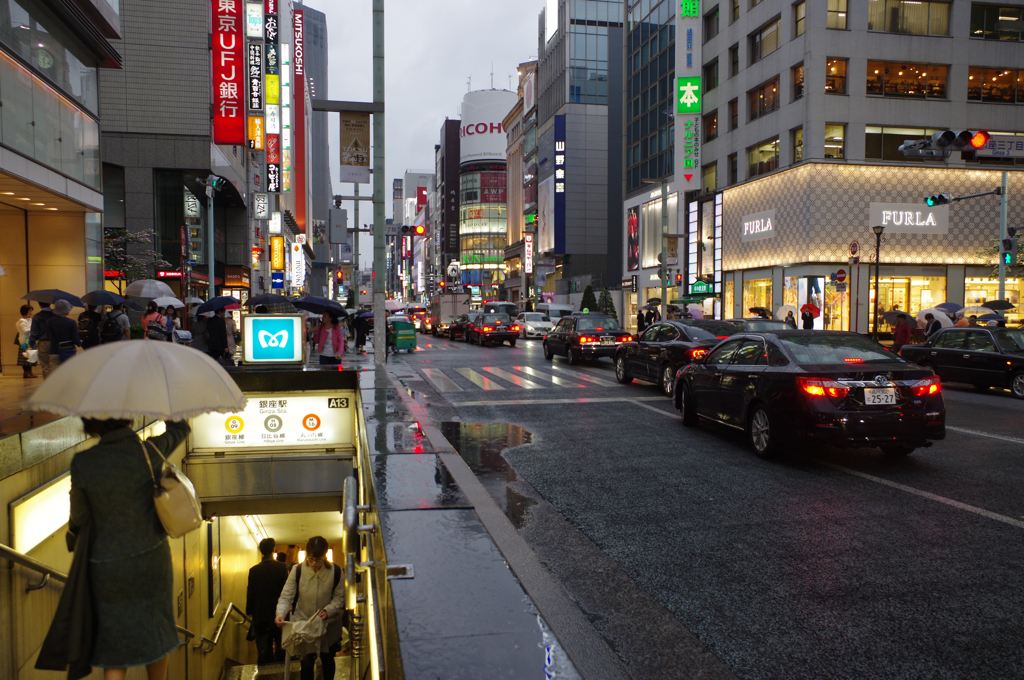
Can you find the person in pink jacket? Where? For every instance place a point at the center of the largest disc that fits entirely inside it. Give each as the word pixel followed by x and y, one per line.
pixel 152 314
pixel 329 340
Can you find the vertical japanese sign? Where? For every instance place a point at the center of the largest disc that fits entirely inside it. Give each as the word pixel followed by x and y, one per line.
pixel 688 96
pixel 256 134
pixel 277 253
pixel 286 117
pixel 254 20
pixel 255 76
pixel 228 73
pixel 528 253
pixel 561 176
pixel 299 138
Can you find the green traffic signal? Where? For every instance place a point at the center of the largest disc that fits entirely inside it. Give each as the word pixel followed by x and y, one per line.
pixel 938 199
pixel 930 201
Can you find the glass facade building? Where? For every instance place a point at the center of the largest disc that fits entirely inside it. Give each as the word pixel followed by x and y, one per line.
pixel 588 49
pixel 483 225
pixel 650 84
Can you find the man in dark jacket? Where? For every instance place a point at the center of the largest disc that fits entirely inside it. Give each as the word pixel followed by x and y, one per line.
pixel 63 334
pixel 217 334
pixel 641 323
pixel 266 580
pixel 89 323
pixel 932 325
pixel 808 320
pixel 39 336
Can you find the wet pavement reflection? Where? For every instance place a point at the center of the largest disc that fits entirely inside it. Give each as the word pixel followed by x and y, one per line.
pixel 481 446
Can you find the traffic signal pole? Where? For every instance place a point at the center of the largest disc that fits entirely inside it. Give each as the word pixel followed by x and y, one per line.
pixel 357 279
pixel 664 250
pixel 379 294
pixel 1002 235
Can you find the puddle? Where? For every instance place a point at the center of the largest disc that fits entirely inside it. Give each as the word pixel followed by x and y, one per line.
pixel 480 445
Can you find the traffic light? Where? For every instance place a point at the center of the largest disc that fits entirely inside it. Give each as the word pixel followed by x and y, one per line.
pixel 418 230
pixel 1008 251
pixel 943 143
pixel 679 278
pixel 938 199
pixel 440 285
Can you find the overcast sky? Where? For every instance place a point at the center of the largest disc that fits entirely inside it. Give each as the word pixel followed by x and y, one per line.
pixel 432 50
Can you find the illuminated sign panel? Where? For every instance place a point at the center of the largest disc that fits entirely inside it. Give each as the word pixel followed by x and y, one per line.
pixel 255 76
pixel 272 338
pixel 228 73
pixel 688 95
pixel 279 420
pixel 277 251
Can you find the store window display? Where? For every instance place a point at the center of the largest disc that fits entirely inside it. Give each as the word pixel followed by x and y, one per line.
pixel 910 294
pixel 756 293
pixel 978 291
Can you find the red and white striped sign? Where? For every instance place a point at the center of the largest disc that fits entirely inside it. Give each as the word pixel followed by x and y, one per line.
pixel 229 73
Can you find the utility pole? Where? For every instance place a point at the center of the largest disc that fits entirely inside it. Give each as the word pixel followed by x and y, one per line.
pixel 213 184
pixel 357 279
pixel 664 250
pixel 379 324
pixel 1002 235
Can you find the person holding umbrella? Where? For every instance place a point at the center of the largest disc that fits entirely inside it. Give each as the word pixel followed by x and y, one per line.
pixel 902 333
pixel 217 336
pixel 362 330
pixel 641 322
pixel 63 332
pixel 40 336
pixel 807 318
pixel 24 326
pixel 329 340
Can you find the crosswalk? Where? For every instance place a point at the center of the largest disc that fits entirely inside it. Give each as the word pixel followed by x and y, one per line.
pixel 492 378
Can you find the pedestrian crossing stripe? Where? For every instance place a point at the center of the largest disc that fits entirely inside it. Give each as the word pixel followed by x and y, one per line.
pixel 512 378
pixel 441 346
pixel 444 383
pixel 581 376
pixel 479 380
pixel 544 376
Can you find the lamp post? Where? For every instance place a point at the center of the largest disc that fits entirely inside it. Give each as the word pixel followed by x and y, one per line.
pixel 878 247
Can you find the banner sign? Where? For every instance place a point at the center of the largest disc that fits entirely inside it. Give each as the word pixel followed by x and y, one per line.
pixel 256 134
pixel 688 96
pixel 528 253
pixel 228 73
pixel 255 64
pixel 273 119
pixel 273 147
pixel 274 177
pixel 633 239
pixel 277 252
pixel 298 266
pixel 254 20
pixel 355 147
pixel 261 206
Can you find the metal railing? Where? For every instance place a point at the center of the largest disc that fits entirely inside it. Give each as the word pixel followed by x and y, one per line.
pixel 24 560
pixel 204 641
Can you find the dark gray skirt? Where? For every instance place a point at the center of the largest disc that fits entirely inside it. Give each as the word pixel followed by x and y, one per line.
pixel 133 608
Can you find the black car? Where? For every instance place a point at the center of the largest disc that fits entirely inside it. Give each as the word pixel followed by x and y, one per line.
pixel 486 328
pixel 584 336
pixel 720 329
pixel 983 357
pixel 757 325
pixel 457 329
pixel 660 351
pixel 827 386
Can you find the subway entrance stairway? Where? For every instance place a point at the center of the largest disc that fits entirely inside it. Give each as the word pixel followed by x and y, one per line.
pixel 429 592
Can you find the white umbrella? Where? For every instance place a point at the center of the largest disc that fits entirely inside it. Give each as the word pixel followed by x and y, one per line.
pixel 194 301
pixel 943 320
pixel 973 310
pixel 695 310
pixel 393 305
pixel 148 288
pixel 781 312
pixel 169 302
pixel 129 379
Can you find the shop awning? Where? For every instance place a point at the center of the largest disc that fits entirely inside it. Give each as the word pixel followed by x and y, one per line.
pixel 690 299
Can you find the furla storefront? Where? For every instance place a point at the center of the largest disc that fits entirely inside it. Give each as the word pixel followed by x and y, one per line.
pixel 789 238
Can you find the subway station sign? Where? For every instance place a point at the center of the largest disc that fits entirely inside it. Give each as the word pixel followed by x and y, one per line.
pixel 272 339
pixel 285 420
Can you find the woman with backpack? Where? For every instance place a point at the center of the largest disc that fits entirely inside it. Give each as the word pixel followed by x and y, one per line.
pixel 315 587
pixel 158 331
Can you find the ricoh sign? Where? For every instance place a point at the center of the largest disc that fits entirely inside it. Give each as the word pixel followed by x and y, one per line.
pixel 909 218
pixel 758 226
pixel 482 137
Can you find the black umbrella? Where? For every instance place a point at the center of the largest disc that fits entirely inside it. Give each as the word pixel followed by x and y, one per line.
pixel 365 315
pixel 51 295
pixel 761 311
pixel 318 305
pixel 216 303
pixel 998 304
pixel 102 297
pixel 268 299
pixel 893 317
pixel 654 301
pixel 650 307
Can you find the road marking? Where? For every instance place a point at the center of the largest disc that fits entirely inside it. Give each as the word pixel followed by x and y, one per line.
pixel 479 380
pixel 544 376
pixel 964 430
pixel 442 382
pixel 512 378
pixel 930 496
pixel 581 376
pixel 581 400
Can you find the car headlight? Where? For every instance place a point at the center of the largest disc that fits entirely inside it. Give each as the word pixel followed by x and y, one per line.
pixel 529 327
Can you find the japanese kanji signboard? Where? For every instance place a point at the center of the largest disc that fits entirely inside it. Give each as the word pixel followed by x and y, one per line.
pixel 229 73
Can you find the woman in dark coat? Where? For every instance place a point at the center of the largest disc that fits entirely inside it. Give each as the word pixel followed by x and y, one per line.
pixel 130 560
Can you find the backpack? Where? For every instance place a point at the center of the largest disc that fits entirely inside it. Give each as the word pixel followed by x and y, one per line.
pixel 111 330
pixel 89 330
pixel 298 580
pixel 157 330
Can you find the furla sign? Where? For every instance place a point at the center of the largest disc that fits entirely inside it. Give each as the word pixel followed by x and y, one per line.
pixel 909 218
pixel 758 226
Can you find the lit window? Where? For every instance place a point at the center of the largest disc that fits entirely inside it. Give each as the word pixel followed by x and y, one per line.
pixel 835 76
pixel 909 17
pixel 837 14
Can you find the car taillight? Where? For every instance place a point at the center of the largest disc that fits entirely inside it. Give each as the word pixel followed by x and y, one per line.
pixel 598 329
pixel 698 353
pixel 588 338
pixel 721 337
pixel 626 338
pixel 487 329
pixel 515 328
pixel 927 386
pixel 817 387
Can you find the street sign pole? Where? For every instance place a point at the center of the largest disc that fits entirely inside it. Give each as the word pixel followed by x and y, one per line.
pixel 355 245
pixel 664 250
pixel 379 325
pixel 1002 235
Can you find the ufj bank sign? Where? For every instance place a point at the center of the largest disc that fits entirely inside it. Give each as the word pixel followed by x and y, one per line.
pixel 909 218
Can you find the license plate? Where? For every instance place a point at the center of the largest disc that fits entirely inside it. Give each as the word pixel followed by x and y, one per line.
pixel 607 341
pixel 879 396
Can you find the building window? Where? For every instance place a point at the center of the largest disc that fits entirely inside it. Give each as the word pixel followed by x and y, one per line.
pixel 800 18
pixel 710 126
pixel 735 14
pixel 1003 86
pixel 837 14
pixel 711 76
pixel 754 3
pixel 711 24
pixel 985 22
pixel 835 76
pixel 734 114
pixel 798 81
pixel 883 143
pixel 733 169
pixel 918 81
pixel 764 99
pixel 734 60
pixel 763 158
pixel 910 17
pixel 765 40
pixel 710 175
pixel 835 140
pixel 798 144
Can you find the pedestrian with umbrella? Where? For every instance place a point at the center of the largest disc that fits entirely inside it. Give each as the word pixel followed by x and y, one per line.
pixel 24 326
pixel 641 322
pixel 902 333
pixel 362 330
pixel 217 336
pixel 808 313
pixel 63 332
pixel 117 607
pixel 39 337
pixel 154 325
pixel 116 325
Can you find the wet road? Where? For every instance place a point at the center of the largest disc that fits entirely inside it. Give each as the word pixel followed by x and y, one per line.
pixel 690 555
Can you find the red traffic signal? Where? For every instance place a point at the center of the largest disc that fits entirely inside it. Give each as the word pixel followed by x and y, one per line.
pixel 340 275
pixel 679 279
pixel 419 230
pixel 980 139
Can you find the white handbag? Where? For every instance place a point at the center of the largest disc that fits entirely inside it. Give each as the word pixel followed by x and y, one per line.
pixel 32 356
pixel 174 497
pixel 300 638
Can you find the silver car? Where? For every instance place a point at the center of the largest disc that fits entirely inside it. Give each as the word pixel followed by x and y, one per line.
pixel 534 324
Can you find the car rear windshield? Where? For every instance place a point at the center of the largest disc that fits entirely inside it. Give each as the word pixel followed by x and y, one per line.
pixel 848 350
pixel 766 325
pixel 605 323
pixel 696 333
pixel 1010 341
pixel 720 329
pixel 536 316
pixel 491 318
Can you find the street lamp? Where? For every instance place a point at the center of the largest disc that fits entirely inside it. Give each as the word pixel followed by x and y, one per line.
pixel 878 246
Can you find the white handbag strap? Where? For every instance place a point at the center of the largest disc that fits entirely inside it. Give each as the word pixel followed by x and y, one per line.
pixel 145 454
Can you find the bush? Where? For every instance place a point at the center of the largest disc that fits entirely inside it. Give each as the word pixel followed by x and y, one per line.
pixel 588 301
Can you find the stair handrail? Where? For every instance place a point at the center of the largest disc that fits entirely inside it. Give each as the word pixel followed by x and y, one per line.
pixel 204 641
pixel 24 560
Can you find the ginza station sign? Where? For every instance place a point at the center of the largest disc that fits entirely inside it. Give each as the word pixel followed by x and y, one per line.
pixel 909 218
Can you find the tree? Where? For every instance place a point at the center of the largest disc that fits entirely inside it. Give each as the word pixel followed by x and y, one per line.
pixel 350 301
pixel 606 305
pixel 992 253
pixel 588 301
pixel 131 263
